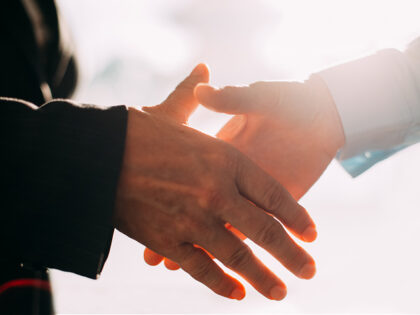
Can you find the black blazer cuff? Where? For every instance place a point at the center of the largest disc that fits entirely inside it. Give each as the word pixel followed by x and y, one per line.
pixel 63 163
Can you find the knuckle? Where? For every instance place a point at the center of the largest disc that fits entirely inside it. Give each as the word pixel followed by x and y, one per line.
pixel 231 152
pixel 214 199
pixel 235 161
pixel 182 254
pixel 203 273
pixel 234 157
pixel 165 241
pixel 274 199
pixel 182 222
pixel 293 257
pixel 208 234
pixel 214 280
pixel 190 227
pixel 223 158
pixel 200 232
pixel 268 234
pixel 240 258
pixel 227 152
pixel 173 253
pixel 298 218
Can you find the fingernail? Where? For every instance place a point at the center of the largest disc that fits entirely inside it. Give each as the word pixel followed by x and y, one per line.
pixel 309 234
pixel 307 271
pixel 237 294
pixel 278 293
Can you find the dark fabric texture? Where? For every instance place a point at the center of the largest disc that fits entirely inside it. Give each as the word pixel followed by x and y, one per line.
pixel 60 161
pixel 25 67
pixel 25 289
pixel 61 164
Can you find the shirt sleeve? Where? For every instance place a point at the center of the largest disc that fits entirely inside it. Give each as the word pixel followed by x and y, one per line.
pixel 60 169
pixel 378 100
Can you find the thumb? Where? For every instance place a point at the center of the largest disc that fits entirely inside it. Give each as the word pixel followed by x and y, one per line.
pixel 181 103
pixel 258 97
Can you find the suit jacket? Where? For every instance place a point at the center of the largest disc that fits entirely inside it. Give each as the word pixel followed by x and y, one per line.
pixel 60 160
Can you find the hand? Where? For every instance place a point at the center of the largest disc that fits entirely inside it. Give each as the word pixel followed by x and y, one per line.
pixel 291 130
pixel 178 107
pixel 178 187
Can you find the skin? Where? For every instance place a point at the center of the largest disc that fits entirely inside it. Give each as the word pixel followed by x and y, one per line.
pixel 292 130
pixel 178 189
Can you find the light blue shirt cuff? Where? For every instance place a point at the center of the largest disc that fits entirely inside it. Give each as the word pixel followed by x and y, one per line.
pixel 359 164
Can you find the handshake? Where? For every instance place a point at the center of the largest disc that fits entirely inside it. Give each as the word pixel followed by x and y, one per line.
pixel 189 197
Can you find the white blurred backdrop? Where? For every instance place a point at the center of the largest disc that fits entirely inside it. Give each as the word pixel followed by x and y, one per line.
pixel 135 52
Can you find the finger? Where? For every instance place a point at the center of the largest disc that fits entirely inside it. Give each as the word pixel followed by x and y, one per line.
pixel 268 233
pixel 181 103
pixel 202 268
pixel 236 255
pixel 255 98
pixel 171 265
pixel 236 232
pixel 208 254
pixel 232 128
pixel 152 258
pixel 264 191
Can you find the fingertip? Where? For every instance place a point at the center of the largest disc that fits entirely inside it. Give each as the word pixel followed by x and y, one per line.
pixel 308 271
pixel 237 294
pixel 151 258
pixel 203 71
pixel 305 228
pixel 310 234
pixel 171 265
pixel 278 292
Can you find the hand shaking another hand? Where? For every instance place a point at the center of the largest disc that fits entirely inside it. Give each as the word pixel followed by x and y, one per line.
pixel 181 191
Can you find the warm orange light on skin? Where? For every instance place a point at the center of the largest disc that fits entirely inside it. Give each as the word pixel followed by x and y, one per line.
pixel 154 259
pixel 301 37
pixel 296 220
pixel 171 265
pixel 181 114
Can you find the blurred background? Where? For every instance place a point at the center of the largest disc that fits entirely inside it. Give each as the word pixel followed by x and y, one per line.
pixel 135 52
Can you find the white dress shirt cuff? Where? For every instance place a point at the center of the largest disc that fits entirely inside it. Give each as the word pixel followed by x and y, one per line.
pixel 376 101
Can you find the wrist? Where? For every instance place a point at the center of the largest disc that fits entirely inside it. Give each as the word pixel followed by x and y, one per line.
pixel 134 122
pixel 331 129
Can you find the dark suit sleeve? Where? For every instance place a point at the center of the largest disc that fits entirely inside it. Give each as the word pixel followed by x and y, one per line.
pixel 60 167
